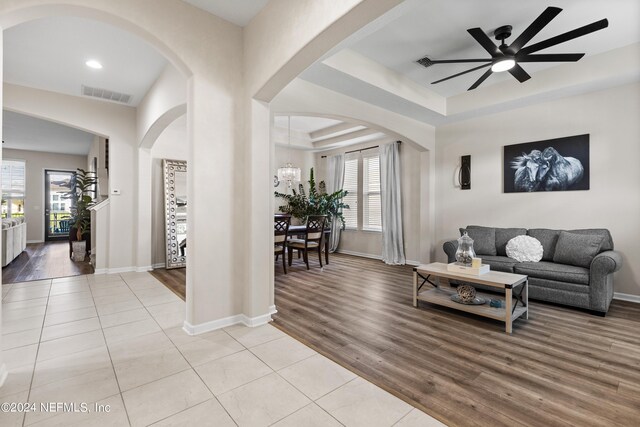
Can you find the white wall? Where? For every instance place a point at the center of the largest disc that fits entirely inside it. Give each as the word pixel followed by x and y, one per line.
pixel 171 144
pixel 611 117
pixel 36 163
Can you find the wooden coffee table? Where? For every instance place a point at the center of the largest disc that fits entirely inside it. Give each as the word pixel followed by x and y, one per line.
pixel 515 286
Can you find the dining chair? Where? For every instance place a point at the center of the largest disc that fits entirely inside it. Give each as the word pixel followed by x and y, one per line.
pixel 280 229
pixel 312 239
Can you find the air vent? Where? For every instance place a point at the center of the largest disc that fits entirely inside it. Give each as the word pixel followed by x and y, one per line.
pixel 109 95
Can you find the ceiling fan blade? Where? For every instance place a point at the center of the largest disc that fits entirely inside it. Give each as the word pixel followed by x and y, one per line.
pixel 481 79
pixel 551 57
pixel 459 74
pixel 485 41
pixel 456 61
pixel 533 29
pixel 426 62
pixel 570 35
pixel 519 73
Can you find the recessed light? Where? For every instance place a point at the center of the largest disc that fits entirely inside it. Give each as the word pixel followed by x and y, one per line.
pixel 92 63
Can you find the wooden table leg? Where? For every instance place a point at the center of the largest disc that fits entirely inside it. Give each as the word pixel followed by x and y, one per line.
pixel 508 307
pixel 326 251
pixel 415 288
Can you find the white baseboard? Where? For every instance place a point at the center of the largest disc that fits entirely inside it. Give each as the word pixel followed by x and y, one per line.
pixel 159 265
pixel 34 241
pixel 626 297
pixel 360 254
pixel 116 270
pixel 144 268
pixel 378 257
pixel 242 319
pixel 4 373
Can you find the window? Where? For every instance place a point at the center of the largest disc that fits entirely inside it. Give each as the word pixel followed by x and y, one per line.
pixel 351 199
pixel 13 188
pixel 371 203
pixel 362 181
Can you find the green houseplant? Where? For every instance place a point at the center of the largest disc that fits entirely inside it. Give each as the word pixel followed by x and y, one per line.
pixel 318 202
pixel 81 190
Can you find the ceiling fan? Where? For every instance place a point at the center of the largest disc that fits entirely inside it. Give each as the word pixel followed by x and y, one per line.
pixel 508 57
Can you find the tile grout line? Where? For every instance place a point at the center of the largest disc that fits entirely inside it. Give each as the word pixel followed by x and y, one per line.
pixel 113 368
pixel 191 367
pixel 181 354
pixel 35 361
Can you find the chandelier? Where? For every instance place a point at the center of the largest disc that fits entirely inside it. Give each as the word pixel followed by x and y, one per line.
pixel 289 173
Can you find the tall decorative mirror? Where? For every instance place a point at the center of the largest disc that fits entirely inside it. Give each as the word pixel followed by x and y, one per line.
pixel 175 202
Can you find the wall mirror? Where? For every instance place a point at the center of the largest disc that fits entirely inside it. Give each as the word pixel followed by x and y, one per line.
pixel 175 202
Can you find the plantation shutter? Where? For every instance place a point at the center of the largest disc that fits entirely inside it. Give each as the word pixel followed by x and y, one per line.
pixel 351 186
pixel 372 207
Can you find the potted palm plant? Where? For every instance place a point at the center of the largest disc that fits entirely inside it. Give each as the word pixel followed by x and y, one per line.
pixel 318 202
pixel 82 188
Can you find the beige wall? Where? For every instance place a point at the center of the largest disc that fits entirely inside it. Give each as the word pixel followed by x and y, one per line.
pixel 369 243
pixel 611 117
pixel 36 163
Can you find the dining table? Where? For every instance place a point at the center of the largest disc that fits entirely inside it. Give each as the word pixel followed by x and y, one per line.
pixel 300 230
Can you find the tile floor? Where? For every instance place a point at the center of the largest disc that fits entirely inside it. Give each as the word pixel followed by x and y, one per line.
pixel 116 341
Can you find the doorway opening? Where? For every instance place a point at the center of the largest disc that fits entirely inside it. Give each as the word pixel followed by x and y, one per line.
pixel 57 205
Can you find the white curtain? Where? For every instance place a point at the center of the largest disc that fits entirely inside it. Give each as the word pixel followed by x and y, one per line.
pixel 336 181
pixel 391 195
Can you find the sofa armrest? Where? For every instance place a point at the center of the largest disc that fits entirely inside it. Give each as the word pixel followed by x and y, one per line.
pixel 606 262
pixel 450 249
pixel 601 272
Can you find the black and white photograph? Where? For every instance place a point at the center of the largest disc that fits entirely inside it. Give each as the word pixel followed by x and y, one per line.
pixel 560 164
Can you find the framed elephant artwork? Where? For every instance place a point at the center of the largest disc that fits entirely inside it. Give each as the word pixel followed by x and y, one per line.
pixel 560 164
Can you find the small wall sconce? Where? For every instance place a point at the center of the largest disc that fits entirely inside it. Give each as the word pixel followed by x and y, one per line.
pixel 464 173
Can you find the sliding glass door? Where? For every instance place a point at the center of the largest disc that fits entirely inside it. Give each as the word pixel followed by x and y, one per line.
pixel 57 208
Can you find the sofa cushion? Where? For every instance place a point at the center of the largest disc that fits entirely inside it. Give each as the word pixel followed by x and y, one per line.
pixel 548 238
pixel 503 235
pixel 553 271
pixel 577 249
pixel 499 263
pixel 607 242
pixel 484 239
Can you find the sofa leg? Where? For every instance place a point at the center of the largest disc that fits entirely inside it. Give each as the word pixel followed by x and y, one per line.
pixel 598 313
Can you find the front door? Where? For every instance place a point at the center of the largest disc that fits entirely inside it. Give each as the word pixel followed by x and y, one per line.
pixel 57 208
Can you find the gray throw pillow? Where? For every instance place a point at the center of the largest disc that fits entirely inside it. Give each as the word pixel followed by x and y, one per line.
pixel 577 249
pixel 548 238
pixel 504 235
pixel 484 239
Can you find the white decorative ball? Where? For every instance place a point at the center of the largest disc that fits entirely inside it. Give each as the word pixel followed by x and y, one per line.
pixel 525 248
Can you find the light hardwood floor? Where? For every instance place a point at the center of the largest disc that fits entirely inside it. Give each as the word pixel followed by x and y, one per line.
pixel 561 367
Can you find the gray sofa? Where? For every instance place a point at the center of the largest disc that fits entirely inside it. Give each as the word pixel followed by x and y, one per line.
pixel 576 269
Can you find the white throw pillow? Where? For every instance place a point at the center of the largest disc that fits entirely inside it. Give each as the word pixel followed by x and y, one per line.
pixel 524 248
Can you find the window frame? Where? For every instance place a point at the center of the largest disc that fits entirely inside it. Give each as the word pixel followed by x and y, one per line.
pixel 360 194
pixel 18 196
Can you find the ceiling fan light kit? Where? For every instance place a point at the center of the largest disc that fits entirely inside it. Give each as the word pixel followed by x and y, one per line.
pixel 509 57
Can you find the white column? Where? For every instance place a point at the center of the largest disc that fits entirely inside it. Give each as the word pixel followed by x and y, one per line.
pixel 145 224
pixel 217 259
pixel 259 297
pixel 3 367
